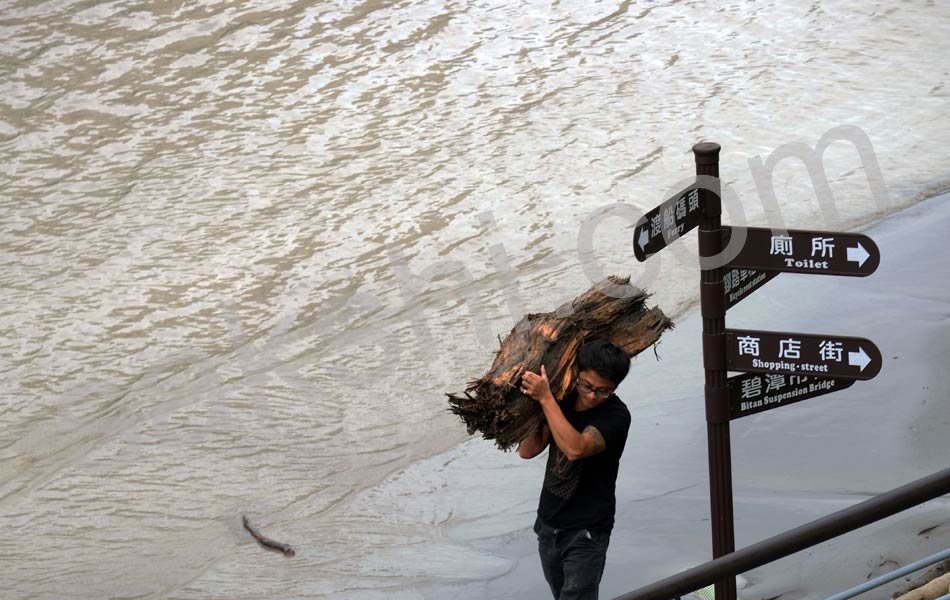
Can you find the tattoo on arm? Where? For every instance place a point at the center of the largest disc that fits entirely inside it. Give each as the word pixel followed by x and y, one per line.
pixel 599 444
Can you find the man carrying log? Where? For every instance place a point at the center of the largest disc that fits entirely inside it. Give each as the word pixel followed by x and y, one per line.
pixel 577 505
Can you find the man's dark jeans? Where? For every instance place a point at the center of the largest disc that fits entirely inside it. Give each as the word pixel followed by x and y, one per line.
pixel 572 560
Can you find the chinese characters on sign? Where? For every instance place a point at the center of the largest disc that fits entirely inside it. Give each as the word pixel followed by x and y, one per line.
pixel 740 283
pixel 801 354
pixel 751 393
pixel 821 247
pixel 797 251
pixel 666 223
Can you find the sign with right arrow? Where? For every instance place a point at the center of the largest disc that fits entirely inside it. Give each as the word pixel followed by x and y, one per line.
pixel 800 251
pixel 801 354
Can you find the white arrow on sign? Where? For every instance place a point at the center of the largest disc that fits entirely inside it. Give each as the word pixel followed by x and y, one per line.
pixel 858 255
pixel 645 239
pixel 859 358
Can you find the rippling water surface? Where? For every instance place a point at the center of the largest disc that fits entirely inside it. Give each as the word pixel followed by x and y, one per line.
pixel 246 247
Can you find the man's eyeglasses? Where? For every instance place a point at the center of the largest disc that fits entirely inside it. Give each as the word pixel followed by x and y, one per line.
pixel 585 388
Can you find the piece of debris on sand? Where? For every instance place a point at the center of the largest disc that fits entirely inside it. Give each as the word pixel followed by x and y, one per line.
pixel 266 541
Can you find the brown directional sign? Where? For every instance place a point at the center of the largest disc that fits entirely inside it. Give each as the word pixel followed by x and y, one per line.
pixel 667 222
pixel 801 354
pixel 799 251
pixel 751 393
pixel 739 284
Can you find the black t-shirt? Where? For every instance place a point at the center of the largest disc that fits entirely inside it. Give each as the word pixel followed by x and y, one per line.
pixel 580 494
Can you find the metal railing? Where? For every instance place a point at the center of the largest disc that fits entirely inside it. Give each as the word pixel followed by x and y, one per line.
pixel 889 577
pixel 792 541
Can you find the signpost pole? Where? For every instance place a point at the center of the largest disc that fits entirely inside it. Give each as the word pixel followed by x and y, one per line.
pixel 713 308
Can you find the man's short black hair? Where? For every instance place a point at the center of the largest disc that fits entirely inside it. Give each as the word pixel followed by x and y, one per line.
pixel 609 361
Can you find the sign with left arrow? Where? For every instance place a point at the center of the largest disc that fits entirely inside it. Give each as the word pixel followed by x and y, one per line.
pixel 667 222
pixel 801 354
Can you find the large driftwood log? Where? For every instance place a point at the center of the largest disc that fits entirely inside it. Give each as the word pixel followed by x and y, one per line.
pixel 613 309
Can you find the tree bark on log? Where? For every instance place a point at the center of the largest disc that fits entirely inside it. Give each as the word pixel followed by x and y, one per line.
pixel 613 309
